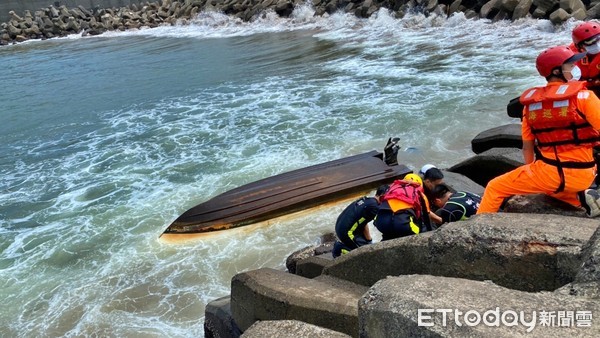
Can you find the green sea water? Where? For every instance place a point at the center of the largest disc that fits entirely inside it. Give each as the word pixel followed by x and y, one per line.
pixel 106 140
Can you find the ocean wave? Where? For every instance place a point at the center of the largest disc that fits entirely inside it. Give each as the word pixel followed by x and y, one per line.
pixel 127 130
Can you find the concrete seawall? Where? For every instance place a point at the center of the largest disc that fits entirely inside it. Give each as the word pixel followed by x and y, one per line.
pixel 19 6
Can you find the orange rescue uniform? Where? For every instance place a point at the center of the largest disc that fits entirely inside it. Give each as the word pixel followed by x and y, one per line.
pixel 590 67
pixel 538 176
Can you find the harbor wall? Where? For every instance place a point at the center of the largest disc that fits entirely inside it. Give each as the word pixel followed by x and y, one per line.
pixel 19 6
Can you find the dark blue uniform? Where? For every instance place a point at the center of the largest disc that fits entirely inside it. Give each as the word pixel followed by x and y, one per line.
pixel 351 223
pixel 401 223
pixel 460 206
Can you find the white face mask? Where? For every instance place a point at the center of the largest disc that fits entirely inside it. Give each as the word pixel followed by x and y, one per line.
pixel 593 49
pixel 575 73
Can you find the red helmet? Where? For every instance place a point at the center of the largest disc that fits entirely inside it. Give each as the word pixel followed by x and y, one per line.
pixel 555 57
pixel 585 31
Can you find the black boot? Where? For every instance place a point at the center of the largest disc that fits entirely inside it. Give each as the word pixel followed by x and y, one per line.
pixel 391 151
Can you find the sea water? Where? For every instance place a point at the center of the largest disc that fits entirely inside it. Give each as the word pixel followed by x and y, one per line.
pixel 105 140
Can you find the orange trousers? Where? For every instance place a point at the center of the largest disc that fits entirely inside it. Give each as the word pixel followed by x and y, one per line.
pixel 535 178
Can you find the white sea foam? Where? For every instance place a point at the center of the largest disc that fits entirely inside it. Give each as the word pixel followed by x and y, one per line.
pixel 89 194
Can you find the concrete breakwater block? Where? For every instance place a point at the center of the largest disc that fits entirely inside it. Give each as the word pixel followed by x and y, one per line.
pixel 461 183
pixel 541 204
pixel 310 251
pixel 268 294
pixel 370 263
pixel 522 252
pixel 289 329
pixel 483 167
pixel 519 251
pixel 218 321
pixel 506 136
pixel 312 267
pixel 587 281
pixel 427 306
pixel 590 270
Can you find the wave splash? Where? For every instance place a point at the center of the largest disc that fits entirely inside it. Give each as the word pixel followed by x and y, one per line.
pixel 79 253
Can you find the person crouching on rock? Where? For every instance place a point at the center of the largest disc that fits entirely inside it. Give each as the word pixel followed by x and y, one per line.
pixel 404 209
pixel 454 206
pixel 431 177
pixel 561 119
pixel 351 225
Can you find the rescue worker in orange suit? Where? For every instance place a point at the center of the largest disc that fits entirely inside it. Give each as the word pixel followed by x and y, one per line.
pixel 586 38
pixel 561 119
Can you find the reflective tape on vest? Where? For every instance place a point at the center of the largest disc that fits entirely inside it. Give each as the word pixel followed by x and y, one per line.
pixel 535 106
pixel 560 104
pixel 531 92
pixel 562 89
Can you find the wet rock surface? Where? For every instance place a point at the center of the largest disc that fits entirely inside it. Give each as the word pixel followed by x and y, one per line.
pixel 383 307
pixel 289 328
pixel 483 167
pixel 506 136
pixel 520 262
pixel 523 252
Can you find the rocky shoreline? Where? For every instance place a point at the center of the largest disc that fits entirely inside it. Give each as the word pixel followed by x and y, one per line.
pixel 53 22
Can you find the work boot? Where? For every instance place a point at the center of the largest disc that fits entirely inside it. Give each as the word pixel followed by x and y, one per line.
pixel 591 203
pixel 391 151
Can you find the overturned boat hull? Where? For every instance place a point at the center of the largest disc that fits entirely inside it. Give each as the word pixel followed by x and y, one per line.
pixel 286 193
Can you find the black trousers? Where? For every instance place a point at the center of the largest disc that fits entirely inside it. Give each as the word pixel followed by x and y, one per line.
pixel 394 225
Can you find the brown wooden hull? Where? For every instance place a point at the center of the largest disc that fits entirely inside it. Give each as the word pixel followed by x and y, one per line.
pixel 288 192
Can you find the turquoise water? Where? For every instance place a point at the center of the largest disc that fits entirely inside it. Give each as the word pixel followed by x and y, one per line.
pixel 105 140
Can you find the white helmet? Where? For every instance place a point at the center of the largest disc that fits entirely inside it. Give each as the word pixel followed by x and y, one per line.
pixel 425 168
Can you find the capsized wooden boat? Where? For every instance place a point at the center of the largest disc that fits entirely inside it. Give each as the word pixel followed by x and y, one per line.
pixel 288 192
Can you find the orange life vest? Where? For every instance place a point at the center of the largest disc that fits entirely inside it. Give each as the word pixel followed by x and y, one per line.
pixel 557 124
pixel 404 194
pixel 554 119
